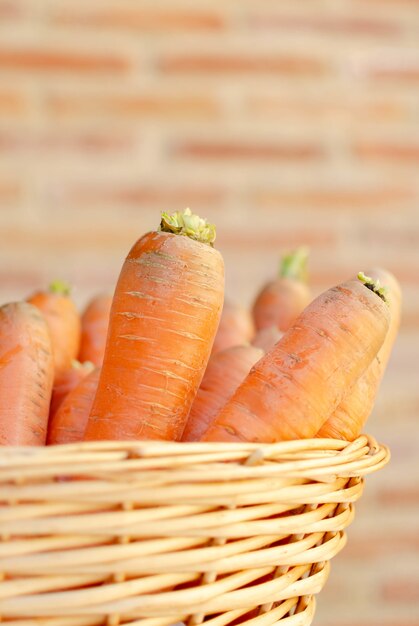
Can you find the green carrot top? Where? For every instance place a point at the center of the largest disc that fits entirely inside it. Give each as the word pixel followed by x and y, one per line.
pixel 294 264
pixel 188 224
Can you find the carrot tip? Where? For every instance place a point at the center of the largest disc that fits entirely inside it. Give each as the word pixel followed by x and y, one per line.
pixel 294 264
pixel 188 224
pixel 374 285
pixel 60 287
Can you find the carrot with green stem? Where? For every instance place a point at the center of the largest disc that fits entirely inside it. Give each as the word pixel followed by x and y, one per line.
pixel 94 329
pixel 225 371
pixel 348 420
pixel 63 321
pixel 26 375
pixel 68 423
pixel 294 389
pixel 164 316
pixel 66 381
pixel 281 300
pixel 235 328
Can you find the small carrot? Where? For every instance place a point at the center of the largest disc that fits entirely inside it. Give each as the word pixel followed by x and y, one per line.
pixel 348 420
pixel 94 329
pixel 63 321
pixel 281 301
pixel 235 328
pixel 266 338
pixel 69 422
pixel 66 382
pixel 164 316
pixel 26 375
pixel 294 389
pixel 224 373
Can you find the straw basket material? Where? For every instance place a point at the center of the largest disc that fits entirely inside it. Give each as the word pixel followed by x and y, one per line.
pixel 150 534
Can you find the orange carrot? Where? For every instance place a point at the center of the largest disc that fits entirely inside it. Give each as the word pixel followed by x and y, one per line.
pixel 348 420
pixel 69 422
pixel 235 328
pixel 294 389
pixel 224 373
pixel 164 317
pixel 266 338
pixel 281 301
pixel 94 329
pixel 63 321
pixel 66 382
pixel 26 375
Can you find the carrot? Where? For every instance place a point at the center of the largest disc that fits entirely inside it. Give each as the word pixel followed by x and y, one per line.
pixel 94 329
pixel 69 422
pixel 281 301
pixel 236 327
pixel 224 373
pixel 164 317
pixel 26 375
pixel 293 390
pixel 348 420
pixel 63 322
pixel 66 382
pixel 266 338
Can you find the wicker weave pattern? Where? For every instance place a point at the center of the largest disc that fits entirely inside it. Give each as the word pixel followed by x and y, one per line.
pixel 149 533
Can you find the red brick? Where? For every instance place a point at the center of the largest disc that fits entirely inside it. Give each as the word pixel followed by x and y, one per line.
pixel 403 591
pixel 165 106
pixel 287 65
pixel 160 196
pixel 399 496
pixel 235 150
pixel 141 19
pixel 10 9
pixel 34 59
pixel 386 151
pixel 13 103
pixel 329 25
pixel 323 111
pixel 382 544
pixel 330 199
pixel 9 191
pixel 275 239
pixel 89 142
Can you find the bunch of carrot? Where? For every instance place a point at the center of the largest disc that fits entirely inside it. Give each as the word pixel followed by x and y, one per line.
pixel 167 357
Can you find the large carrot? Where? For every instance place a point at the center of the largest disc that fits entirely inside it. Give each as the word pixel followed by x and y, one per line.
pixel 94 329
pixel 294 389
pixel 235 328
pixel 225 371
pixel 63 321
pixel 69 422
pixel 281 300
pixel 26 375
pixel 348 420
pixel 164 317
pixel 66 382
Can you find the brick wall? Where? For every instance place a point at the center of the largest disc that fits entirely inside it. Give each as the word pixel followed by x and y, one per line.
pixel 284 123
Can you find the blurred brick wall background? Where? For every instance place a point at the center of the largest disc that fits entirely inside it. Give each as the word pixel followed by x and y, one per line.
pixel 282 122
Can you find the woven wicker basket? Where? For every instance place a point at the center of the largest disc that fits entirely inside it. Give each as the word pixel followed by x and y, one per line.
pixel 152 534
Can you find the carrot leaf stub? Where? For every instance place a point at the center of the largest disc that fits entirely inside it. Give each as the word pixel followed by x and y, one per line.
pixel 374 285
pixel 189 225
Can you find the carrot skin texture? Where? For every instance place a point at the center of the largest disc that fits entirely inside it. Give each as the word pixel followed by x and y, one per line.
pixel 225 371
pixel 279 303
pixel 235 328
pixel 266 338
pixel 66 383
pixel 350 416
pixel 94 329
pixel 293 390
pixel 164 317
pixel 26 375
pixel 64 325
pixel 68 424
